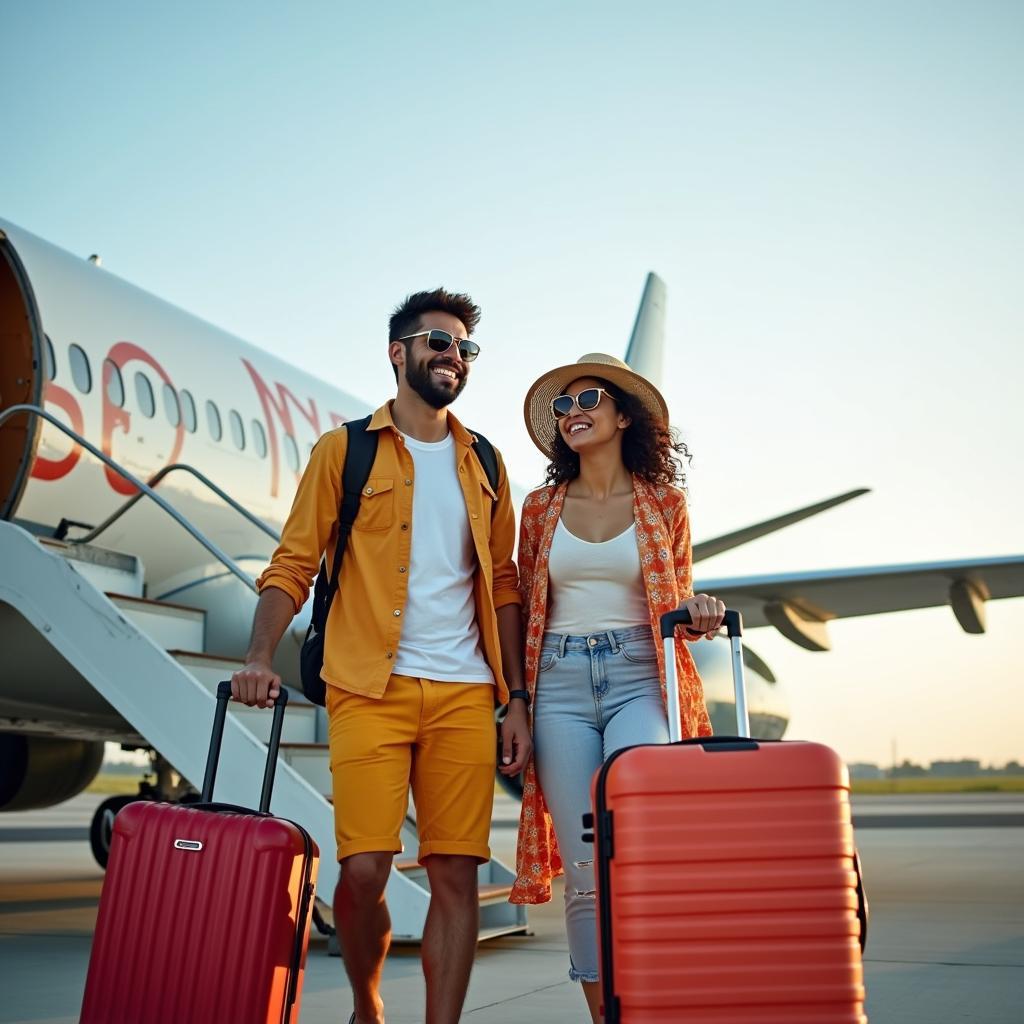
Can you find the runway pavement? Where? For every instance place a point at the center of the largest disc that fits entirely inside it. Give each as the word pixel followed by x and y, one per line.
pixel 945 876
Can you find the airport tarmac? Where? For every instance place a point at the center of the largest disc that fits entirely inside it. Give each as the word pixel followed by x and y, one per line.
pixel 945 877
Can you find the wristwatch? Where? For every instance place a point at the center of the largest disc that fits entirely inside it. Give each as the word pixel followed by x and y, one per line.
pixel 523 695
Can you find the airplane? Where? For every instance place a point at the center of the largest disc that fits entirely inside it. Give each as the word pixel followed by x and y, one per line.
pixel 221 430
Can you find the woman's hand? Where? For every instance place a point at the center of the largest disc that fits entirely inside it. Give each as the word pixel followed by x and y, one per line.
pixel 706 615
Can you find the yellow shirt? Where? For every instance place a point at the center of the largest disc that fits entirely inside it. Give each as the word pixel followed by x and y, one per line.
pixel 365 620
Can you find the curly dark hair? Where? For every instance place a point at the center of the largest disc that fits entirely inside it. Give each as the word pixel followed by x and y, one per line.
pixel 650 448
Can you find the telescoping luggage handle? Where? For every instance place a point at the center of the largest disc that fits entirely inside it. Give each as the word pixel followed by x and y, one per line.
pixel 273 745
pixel 733 624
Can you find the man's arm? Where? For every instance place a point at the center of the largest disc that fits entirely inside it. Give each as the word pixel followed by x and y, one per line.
pixel 284 585
pixel 257 683
pixel 517 744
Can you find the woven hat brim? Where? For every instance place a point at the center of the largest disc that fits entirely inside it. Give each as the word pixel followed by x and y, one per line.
pixel 537 406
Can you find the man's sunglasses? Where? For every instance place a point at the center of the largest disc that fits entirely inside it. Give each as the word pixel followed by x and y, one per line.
pixel 587 399
pixel 441 341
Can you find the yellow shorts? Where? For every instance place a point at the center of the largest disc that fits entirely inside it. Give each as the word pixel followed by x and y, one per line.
pixel 440 738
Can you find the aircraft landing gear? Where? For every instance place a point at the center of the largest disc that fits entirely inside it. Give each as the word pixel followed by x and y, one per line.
pixel 168 786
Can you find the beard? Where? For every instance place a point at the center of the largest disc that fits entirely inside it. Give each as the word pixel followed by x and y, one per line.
pixel 426 385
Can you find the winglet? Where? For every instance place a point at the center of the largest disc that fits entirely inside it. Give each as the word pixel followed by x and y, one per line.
pixel 728 541
pixel 647 342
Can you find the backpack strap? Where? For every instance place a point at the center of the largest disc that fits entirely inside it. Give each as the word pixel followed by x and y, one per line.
pixel 362 450
pixel 488 458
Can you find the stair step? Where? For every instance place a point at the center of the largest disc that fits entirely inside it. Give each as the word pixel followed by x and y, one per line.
pixel 299 721
pixel 104 569
pixel 167 625
pixel 311 761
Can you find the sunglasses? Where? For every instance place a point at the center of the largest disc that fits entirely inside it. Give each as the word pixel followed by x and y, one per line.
pixel 441 341
pixel 587 399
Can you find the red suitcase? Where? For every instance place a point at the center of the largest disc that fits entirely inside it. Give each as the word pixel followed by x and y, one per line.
pixel 728 885
pixel 205 909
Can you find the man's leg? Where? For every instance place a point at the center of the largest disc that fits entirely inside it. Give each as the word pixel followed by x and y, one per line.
pixel 364 929
pixel 453 787
pixel 450 935
pixel 371 754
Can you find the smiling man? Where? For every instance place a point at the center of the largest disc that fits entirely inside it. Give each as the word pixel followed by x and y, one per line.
pixel 424 634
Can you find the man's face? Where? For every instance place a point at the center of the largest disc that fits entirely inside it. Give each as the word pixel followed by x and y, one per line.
pixel 437 377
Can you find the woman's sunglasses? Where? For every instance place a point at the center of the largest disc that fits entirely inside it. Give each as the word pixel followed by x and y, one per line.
pixel 587 399
pixel 441 341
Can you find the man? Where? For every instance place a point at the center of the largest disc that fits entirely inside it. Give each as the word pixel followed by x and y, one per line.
pixel 424 633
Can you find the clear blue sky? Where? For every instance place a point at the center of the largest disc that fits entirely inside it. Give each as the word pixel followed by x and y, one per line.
pixel 832 192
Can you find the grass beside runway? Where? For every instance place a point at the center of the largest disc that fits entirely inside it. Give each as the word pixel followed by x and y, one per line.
pixel 116 784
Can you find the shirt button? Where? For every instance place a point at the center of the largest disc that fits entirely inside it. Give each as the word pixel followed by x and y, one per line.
pixel 592 641
pixel 405 526
pixel 408 483
pixel 369 490
pixel 397 612
pixel 390 654
pixel 462 469
pixel 401 568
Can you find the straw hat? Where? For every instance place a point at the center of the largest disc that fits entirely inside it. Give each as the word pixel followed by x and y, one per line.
pixel 537 407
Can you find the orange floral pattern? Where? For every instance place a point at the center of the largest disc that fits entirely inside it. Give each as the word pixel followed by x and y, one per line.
pixel 663 539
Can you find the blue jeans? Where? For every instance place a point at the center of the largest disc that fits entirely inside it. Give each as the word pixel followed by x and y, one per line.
pixel 595 694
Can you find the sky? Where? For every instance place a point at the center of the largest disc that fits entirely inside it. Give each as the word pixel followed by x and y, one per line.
pixel 831 192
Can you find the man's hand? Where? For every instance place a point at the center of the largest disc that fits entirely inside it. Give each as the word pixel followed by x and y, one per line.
pixel 706 615
pixel 516 742
pixel 256 684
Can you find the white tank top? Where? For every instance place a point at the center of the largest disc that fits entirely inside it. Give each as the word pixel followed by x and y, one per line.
pixel 594 587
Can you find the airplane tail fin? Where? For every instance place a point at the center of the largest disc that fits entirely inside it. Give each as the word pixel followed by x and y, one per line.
pixel 647 342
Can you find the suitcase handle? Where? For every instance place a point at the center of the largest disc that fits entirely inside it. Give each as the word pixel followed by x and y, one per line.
pixel 733 623
pixel 273 745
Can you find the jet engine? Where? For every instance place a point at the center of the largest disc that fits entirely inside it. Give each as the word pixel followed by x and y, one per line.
pixel 40 771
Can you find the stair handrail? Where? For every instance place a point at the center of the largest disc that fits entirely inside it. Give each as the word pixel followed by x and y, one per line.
pixel 226 560
pixel 154 480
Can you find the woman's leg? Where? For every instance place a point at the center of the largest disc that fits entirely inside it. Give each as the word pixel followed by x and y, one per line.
pixel 567 752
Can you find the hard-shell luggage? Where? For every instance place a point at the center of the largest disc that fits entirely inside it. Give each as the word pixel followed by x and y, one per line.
pixel 728 885
pixel 205 910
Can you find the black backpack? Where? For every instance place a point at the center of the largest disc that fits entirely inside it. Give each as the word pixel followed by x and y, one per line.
pixel 362 450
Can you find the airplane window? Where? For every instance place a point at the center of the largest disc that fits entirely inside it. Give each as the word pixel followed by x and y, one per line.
pixel 144 395
pixel 213 421
pixel 259 439
pixel 291 453
pixel 188 411
pixel 171 407
pixel 115 385
pixel 49 359
pixel 237 430
pixel 80 372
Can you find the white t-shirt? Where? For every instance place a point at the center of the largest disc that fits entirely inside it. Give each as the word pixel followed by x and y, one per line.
pixel 594 587
pixel 440 639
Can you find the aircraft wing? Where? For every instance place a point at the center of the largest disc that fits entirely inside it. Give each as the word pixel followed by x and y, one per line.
pixel 800 605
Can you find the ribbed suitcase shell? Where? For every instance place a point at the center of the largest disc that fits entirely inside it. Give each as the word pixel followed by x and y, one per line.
pixel 726 886
pixel 201 936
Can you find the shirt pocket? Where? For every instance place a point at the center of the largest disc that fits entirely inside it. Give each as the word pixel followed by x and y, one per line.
pixel 376 505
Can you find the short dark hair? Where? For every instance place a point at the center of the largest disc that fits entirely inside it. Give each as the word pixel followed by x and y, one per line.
pixel 406 317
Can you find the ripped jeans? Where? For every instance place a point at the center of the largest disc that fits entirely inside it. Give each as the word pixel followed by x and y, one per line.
pixel 595 694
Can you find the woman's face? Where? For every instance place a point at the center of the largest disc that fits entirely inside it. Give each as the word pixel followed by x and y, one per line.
pixel 585 430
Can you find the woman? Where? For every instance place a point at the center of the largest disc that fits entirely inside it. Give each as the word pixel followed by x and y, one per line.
pixel 604 551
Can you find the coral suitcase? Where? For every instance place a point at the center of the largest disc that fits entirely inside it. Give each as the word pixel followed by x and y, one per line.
pixel 728 885
pixel 205 909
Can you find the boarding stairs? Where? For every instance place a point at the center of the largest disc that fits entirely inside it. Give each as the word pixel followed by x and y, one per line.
pixel 149 660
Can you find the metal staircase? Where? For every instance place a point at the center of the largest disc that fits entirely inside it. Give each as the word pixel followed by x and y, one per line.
pixel 148 659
